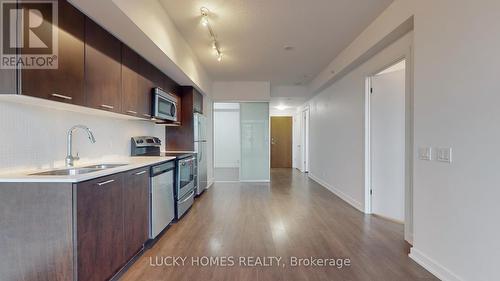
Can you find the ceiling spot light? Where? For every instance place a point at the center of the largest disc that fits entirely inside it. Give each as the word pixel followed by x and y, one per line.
pixel 281 107
pixel 205 22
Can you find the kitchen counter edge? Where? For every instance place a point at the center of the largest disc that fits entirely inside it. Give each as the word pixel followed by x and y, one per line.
pixel 131 164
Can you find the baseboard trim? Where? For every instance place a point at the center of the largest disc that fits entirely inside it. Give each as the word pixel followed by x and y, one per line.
pixel 255 181
pixel 210 183
pixel 432 266
pixel 351 201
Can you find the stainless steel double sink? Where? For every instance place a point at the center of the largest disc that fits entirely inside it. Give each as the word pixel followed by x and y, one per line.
pixel 78 170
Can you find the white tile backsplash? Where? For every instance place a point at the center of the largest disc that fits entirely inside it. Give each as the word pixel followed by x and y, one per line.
pixel 34 137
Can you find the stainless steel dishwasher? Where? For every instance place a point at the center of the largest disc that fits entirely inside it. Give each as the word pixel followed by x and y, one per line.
pixel 162 197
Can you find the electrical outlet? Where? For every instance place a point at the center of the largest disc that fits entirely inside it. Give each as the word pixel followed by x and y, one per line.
pixel 444 154
pixel 425 153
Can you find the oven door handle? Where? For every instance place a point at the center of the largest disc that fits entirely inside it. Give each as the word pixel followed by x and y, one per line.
pixel 187 198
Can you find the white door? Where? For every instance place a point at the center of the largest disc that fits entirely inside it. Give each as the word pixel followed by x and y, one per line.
pixel 387 118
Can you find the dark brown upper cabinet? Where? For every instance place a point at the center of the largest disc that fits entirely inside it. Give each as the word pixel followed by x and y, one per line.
pixel 146 83
pixel 94 70
pixel 131 92
pixel 180 138
pixel 102 68
pixel 64 84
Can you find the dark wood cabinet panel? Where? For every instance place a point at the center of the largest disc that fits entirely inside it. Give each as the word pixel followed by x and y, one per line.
pixel 180 138
pixel 100 235
pixel 102 68
pixel 146 85
pixel 130 82
pixel 64 84
pixel 136 210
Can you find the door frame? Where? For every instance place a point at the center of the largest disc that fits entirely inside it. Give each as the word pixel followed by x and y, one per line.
pixel 213 139
pixel 305 121
pixel 409 149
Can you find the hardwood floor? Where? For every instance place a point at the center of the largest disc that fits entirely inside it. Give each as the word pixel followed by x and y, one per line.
pixel 292 216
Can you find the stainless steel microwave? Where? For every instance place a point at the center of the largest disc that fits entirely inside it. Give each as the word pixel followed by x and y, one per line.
pixel 164 105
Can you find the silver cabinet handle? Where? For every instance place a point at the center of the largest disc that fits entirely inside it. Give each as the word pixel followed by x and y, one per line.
pixel 132 112
pixel 107 106
pixel 105 182
pixel 146 115
pixel 140 173
pixel 61 96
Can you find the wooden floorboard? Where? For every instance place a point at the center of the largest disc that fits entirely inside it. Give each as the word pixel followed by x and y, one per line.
pixel 293 216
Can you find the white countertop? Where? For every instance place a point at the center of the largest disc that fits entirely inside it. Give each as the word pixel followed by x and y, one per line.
pixel 131 164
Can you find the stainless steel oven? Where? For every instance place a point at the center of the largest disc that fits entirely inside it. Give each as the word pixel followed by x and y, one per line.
pixel 185 192
pixel 185 176
pixel 164 105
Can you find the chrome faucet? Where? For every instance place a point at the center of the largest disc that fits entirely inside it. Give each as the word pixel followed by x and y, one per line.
pixel 70 159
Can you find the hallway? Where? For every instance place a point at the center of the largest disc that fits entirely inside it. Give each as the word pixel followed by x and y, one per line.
pixel 291 217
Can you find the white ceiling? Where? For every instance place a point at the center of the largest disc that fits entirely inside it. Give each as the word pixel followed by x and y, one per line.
pixel 252 34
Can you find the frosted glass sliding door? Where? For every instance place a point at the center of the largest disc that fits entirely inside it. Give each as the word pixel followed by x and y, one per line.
pixel 254 118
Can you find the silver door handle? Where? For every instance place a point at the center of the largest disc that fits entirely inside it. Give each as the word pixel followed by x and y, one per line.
pixel 107 106
pixel 131 112
pixel 140 173
pixel 105 182
pixel 62 96
pixel 189 197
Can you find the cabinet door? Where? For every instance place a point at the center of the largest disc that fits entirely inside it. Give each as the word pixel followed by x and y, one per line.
pixel 136 210
pixel 146 85
pixel 100 232
pixel 102 68
pixel 130 82
pixel 64 84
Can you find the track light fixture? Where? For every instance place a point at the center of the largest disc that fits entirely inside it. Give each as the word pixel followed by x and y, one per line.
pixel 205 22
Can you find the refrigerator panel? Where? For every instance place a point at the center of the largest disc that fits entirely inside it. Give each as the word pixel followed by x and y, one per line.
pixel 200 127
pixel 203 166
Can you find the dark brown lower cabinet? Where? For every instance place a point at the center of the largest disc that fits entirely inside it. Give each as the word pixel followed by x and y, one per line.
pixel 100 235
pixel 136 210
pixel 111 222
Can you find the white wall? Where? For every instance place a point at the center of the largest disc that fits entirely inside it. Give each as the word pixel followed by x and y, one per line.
pixel 455 105
pixel 336 149
pixel 35 137
pixel 289 91
pixel 227 139
pixel 241 91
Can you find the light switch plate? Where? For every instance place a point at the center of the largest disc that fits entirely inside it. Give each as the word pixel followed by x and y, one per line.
pixel 425 153
pixel 444 154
